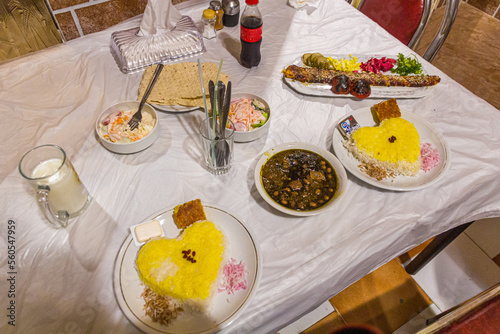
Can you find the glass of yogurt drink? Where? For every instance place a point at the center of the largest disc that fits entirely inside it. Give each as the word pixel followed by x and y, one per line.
pixel 59 191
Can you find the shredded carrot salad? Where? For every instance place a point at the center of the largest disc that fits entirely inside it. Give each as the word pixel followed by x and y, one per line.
pixel 115 127
pixel 243 114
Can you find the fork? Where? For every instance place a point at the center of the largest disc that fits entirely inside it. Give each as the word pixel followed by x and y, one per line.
pixel 137 117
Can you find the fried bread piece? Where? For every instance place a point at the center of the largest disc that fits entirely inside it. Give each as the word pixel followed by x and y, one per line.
pixel 386 109
pixel 188 213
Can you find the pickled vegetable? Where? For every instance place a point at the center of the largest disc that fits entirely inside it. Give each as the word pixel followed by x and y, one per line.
pixel 376 65
pixel 345 65
pixel 316 60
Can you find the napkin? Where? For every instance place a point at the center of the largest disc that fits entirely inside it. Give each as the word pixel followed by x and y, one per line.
pixel 159 16
pixel 301 3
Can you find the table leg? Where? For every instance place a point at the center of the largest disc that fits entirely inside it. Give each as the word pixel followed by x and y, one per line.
pixel 433 249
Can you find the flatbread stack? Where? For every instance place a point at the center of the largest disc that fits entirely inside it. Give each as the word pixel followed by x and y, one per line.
pixel 179 84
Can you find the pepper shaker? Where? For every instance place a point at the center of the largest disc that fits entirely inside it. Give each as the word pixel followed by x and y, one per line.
pixel 217 8
pixel 231 12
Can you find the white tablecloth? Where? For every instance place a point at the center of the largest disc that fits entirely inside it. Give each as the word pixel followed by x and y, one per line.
pixel 63 278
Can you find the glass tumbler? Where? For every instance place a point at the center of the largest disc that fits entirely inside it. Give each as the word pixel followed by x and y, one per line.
pixel 217 148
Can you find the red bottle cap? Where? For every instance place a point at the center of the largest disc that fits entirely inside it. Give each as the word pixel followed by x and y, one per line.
pixel 252 2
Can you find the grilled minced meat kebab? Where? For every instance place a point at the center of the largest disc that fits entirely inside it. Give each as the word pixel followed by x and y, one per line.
pixel 318 75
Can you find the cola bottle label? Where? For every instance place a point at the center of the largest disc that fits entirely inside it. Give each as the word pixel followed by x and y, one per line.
pixel 251 35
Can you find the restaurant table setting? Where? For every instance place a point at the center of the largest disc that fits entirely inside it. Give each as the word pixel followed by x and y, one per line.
pixel 81 277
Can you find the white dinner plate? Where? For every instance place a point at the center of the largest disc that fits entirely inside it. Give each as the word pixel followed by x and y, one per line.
pixel 376 91
pixel 400 183
pixel 226 308
pixel 174 108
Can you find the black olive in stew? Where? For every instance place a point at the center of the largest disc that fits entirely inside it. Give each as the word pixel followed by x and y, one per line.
pixel 299 179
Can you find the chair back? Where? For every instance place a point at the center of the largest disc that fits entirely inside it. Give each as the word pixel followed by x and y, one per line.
pixel 403 19
pixel 407 19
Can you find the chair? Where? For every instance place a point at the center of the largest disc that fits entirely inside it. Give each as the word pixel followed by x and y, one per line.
pixel 407 19
pixel 480 314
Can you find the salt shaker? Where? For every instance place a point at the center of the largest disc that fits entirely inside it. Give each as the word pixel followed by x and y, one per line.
pixel 217 8
pixel 231 12
pixel 208 20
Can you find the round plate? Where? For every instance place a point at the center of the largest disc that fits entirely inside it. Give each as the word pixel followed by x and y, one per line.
pixel 317 89
pixel 226 308
pixel 400 183
pixel 339 170
pixel 176 108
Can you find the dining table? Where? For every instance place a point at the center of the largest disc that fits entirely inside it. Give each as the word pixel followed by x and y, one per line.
pixel 63 280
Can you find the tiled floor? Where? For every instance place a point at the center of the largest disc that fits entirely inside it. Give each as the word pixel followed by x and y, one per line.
pixel 389 298
pixel 396 302
pixel 471 53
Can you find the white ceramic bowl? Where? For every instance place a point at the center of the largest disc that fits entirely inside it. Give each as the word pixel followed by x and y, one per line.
pixel 133 147
pixel 246 136
pixel 337 166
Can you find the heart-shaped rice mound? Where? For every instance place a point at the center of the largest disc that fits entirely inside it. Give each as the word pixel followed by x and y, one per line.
pixel 186 267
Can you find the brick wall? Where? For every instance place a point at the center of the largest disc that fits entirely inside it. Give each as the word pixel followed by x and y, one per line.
pixel 77 18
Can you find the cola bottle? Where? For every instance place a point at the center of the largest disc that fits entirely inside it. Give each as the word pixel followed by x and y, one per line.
pixel 250 34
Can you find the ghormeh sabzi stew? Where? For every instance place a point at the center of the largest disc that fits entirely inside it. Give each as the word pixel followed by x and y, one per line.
pixel 299 179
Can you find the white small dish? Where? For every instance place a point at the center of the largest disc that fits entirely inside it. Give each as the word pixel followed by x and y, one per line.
pixel 336 164
pixel 132 147
pixel 247 136
pixel 151 229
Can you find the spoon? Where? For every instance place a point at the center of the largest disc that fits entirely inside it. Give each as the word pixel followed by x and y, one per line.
pixel 211 88
pixel 220 104
pixel 223 146
pixel 225 109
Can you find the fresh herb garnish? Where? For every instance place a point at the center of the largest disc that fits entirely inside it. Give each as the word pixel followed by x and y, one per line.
pixel 407 65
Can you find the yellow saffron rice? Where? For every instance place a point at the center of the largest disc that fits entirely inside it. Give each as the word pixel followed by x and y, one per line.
pixel 185 267
pixel 394 145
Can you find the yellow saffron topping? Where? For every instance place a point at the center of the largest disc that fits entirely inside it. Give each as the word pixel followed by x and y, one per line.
pixel 395 139
pixel 185 267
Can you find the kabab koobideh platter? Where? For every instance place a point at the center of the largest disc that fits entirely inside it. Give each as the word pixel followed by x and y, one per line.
pixel 361 77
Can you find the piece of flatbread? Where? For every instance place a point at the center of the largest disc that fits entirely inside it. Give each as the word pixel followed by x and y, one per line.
pixel 179 84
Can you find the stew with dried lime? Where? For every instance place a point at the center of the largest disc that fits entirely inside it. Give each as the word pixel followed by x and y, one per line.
pixel 299 179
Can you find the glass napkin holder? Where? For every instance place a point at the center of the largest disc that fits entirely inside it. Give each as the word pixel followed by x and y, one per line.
pixel 133 53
